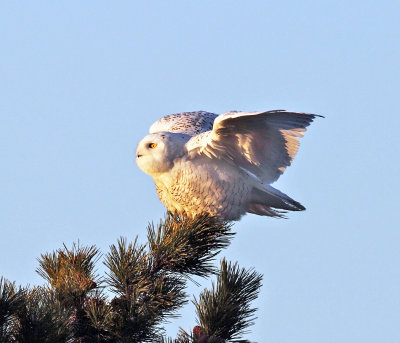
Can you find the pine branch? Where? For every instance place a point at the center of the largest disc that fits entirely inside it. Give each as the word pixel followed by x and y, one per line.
pixel 70 273
pixel 42 319
pixel 72 278
pixel 125 263
pixel 99 312
pixel 224 311
pixel 150 284
pixel 147 294
pixel 11 301
pixel 188 246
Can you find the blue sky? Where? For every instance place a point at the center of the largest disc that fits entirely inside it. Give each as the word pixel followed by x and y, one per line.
pixel 81 82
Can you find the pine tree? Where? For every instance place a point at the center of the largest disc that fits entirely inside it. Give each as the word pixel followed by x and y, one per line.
pixel 143 287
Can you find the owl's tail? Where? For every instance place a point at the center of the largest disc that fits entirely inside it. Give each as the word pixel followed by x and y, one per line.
pixel 268 201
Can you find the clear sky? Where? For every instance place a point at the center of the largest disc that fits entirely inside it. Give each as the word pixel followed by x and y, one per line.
pixel 82 81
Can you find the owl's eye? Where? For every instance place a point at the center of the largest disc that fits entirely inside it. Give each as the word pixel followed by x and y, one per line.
pixel 152 145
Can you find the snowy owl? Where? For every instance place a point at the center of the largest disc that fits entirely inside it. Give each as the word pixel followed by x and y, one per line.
pixel 222 165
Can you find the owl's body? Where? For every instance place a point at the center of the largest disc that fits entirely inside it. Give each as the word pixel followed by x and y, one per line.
pixel 208 187
pixel 222 165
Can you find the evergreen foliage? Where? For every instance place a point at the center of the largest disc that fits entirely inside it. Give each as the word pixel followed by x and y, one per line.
pixel 148 282
pixel 41 319
pixel 188 246
pixel 224 311
pixel 10 303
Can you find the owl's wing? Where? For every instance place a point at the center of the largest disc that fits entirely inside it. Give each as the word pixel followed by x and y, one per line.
pixel 263 143
pixel 189 123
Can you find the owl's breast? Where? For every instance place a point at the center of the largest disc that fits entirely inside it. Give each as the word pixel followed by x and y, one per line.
pixel 210 187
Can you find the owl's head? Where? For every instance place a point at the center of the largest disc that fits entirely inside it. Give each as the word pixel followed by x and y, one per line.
pixel 157 151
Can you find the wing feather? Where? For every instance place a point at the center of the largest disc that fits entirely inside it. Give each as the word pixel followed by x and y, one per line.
pixel 264 143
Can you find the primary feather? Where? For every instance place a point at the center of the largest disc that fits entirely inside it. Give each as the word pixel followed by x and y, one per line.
pixel 223 164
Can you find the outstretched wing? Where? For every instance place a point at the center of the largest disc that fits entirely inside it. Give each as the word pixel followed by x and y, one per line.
pixel 263 143
pixel 189 123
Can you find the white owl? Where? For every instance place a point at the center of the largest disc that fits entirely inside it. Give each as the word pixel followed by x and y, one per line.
pixel 223 165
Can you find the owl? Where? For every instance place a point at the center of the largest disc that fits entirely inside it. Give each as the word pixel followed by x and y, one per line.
pixel 223 165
